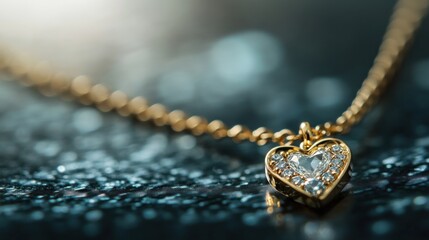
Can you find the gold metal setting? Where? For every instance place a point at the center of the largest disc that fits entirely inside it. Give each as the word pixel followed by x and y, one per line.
pixel 332 177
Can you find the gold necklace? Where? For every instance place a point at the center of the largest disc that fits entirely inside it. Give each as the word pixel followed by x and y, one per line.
pixel 312 173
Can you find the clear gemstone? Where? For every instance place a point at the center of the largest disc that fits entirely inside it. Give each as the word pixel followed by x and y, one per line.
pixel 281 165
pixel 340 156
pixel 287 173
pixel 334 170
pixel 336 148
pixel 297 180
pixel 310 166
pixel 277 157
pixel 337 162
pixel 327 177
pixel 314 187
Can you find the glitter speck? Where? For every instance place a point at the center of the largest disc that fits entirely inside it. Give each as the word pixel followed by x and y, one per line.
pixel 61 169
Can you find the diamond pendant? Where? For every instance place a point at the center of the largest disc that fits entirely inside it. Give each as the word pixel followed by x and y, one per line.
pixel 311 174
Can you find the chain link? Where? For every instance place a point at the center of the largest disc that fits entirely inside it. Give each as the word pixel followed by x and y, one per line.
pixel 404 22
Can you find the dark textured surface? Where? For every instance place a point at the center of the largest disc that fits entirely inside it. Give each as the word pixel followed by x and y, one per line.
pixel 69 172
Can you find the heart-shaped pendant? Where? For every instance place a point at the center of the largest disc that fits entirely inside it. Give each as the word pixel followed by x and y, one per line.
pixel 313 175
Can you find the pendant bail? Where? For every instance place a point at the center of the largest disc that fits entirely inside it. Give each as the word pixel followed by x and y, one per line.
pixel 307 135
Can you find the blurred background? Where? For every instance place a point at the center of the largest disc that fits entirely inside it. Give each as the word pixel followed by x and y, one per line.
pixel 69 171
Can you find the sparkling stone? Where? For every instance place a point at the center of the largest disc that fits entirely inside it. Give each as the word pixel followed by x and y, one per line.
pixel 287 173
pixel 336 148
pixel 337 162
pixel 297 180
pixel 327 177
pixel 314 187
pixel 310 166
pixel 281 165
pixel 277 157
pixel 334 170
pixel 340 156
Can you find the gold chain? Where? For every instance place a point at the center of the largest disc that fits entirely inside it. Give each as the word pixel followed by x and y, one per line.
pixel 404 22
